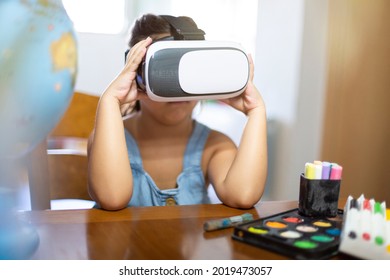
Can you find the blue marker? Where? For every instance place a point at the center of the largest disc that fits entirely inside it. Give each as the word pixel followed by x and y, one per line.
pixel 227 222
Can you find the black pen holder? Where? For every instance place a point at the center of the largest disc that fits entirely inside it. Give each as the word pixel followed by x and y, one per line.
pixel 318 197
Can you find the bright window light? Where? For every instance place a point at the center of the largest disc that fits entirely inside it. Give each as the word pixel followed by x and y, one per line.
pixel 97 16
pixel 230 20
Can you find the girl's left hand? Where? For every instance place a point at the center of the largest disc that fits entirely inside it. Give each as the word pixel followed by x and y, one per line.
pixel 250 98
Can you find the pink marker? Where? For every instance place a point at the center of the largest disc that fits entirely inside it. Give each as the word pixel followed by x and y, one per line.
pixel 335 172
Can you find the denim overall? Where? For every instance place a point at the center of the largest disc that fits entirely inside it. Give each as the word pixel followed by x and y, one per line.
pixel 191 188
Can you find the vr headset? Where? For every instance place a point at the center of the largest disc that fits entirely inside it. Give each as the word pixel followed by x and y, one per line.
pixel 186 67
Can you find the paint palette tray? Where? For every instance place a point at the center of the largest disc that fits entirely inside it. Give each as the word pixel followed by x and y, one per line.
pixel 294 235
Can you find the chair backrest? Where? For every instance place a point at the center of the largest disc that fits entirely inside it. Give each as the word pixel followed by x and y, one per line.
pixel 58 167
pixel 79 119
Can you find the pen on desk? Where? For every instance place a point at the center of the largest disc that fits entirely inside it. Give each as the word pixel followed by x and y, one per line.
pixel 227 222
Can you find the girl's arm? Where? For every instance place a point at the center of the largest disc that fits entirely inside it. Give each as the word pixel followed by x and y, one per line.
pixel 239 175
pixel 110 180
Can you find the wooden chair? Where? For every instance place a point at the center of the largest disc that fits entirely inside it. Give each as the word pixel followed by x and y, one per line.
pixel 58 167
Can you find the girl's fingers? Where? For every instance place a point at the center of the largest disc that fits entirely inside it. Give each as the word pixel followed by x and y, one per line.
pixel 136 54
pixel 251 67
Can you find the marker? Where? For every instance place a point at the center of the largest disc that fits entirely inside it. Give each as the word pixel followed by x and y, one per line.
pixel 335 172
pixel 378 226
pixel 227 222
pixel 325 170
pixel 310 170
pixel 352 220
pixel 388 231
pixel 366 219
pixel 317 169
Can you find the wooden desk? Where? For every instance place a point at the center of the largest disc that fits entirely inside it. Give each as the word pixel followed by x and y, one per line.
pixel 167 232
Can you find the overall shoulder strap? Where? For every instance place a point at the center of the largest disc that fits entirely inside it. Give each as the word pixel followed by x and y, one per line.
pixel 195 146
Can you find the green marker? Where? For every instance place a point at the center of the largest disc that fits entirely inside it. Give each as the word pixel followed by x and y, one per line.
pixel 379 220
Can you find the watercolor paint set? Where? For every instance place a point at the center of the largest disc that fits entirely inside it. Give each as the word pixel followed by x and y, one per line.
pixel 366 229
pixel 294 235
pixel 312 231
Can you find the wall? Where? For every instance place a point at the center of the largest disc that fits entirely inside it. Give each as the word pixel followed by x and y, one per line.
pixel 291 72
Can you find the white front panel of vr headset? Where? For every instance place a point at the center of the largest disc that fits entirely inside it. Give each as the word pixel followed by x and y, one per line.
pixel 213 71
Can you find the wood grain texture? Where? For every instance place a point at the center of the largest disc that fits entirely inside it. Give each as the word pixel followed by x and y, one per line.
pixel 357 116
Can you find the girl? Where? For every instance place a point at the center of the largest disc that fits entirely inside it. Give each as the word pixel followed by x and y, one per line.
pixel 160 155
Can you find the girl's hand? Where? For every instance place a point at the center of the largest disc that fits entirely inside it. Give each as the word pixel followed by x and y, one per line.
pixel 124 86
pixel 250 98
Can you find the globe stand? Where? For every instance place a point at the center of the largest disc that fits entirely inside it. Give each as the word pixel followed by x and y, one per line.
pixel 18 240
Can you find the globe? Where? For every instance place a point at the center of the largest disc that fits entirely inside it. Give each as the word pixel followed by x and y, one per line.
pixel 38 65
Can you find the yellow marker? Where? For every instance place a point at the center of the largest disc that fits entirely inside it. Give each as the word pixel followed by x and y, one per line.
pixel 310 170
pixel 388 230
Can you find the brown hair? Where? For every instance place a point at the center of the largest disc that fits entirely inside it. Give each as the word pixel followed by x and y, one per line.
pixel 148 25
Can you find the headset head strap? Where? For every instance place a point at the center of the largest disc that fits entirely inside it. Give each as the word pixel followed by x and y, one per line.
pixel 184 28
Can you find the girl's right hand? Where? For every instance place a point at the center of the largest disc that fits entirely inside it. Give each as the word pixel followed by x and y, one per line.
pixel 124 86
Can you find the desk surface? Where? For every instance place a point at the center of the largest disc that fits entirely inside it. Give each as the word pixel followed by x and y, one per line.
pixel 167 232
